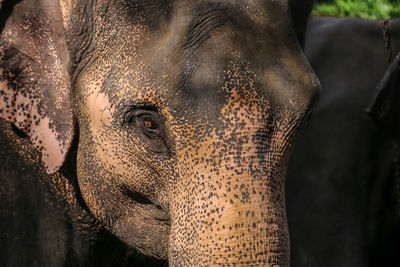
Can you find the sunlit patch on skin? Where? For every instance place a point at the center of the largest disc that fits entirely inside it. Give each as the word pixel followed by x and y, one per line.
pixel 100 110
pixel 100 113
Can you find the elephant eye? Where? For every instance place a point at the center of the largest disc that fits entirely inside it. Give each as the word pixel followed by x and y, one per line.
pixel 148 123
pixel 146 119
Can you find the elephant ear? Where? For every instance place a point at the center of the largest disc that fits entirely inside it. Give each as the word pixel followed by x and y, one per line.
pixel 385 107
pixel 35 87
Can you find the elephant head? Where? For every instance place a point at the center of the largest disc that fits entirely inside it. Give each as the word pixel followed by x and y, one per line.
pixel 184 113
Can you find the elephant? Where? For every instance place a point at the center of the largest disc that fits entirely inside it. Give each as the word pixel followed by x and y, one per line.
pixel 341 198
pixel 149 132
pixel 384 110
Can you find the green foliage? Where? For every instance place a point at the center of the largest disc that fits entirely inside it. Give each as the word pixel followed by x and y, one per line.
pixel 368 9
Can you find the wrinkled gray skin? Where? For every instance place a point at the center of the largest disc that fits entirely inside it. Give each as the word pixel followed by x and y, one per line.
pixel 183 113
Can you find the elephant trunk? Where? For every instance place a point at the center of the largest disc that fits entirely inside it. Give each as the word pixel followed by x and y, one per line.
pixel 232 211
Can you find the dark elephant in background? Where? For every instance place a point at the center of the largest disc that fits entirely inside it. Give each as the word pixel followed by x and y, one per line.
pixel 136 132
pixel 384 111
pixel 340 184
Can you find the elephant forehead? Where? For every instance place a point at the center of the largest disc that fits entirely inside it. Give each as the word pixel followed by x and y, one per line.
pixel 154 65
pixel 232 98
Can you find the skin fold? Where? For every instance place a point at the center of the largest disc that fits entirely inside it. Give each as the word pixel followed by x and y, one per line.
pixel 171 122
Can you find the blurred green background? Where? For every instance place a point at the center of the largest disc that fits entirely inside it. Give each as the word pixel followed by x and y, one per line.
pixel 368 9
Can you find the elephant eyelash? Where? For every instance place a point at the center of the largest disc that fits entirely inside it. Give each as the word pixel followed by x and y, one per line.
pixel 130 112
pixel 128 116
pixel 150 122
